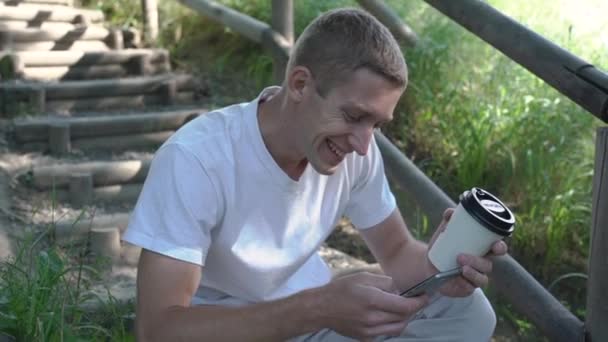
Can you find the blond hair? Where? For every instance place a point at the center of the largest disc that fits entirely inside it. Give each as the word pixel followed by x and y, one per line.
pixel 341 41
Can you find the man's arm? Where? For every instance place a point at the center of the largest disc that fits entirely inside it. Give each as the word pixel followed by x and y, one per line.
pixel 360 306
pixel 165 287
pixel 400 255
pixel 405 259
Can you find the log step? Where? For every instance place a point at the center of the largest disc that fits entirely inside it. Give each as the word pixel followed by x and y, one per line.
pixel 37 13
pixel 103 172
pixel 79 45
pixel 79 65
pixel 8 25
pixel 100 88
pixel 67 96
pixel 52 34
pixel 65 3
pixel 108 71
pixel 80 58
pixel 30 130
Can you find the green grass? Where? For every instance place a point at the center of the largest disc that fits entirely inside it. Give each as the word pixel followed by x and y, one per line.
pixel 42 293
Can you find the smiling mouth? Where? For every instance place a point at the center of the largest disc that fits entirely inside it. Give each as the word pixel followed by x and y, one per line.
pixel 335 149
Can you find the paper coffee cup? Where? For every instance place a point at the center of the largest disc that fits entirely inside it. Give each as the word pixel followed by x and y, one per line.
pixel 480 219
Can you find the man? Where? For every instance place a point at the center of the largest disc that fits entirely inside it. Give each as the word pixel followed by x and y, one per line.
pixel 238 201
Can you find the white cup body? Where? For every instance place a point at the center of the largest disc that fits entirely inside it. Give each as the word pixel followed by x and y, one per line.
pixel 463 234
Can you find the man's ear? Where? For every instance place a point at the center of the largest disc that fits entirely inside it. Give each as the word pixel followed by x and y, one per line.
pixel 299 83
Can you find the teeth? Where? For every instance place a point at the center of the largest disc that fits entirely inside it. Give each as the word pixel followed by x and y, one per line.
pixel 335 149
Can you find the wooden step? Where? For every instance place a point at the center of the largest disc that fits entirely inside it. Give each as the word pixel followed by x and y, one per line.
pixel 90 72
pixel 79 58
pixel 104 173
pixel 8 25
pixel 67 96
pixel 79 65
pixel 37 129
pixel 100 88
pixel 66 3
pixel 57 38
pixel 79 32
pixel 35 13
pixel 79 45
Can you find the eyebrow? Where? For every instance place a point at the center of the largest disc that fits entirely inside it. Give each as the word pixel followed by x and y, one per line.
pixel 350 107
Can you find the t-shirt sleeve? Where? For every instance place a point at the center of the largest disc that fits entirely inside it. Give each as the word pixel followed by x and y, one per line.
pixel 371 200
pixel 177 208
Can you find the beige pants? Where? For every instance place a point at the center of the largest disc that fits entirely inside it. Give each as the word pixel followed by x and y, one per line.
pixel 468 319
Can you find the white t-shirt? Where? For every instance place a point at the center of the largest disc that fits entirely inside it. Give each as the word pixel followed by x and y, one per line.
pixel 215 197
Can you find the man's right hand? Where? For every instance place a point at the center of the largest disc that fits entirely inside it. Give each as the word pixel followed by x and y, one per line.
pixel 366 305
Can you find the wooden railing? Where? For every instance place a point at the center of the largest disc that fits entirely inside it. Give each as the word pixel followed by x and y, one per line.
pixel 574 77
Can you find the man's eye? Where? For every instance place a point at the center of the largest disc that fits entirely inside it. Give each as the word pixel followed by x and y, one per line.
pixel 351 118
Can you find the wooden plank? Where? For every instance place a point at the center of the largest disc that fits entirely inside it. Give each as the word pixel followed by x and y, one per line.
pixel 597 284
pixel 9 25
pixel 150 15
pixel 51 2
pixel 115 102
pixel 79 45
pixel 104 88
pixel 282 23
pixel 114 142
pixel 57 35
pixel 28 130
pixel 239 22
pixel 103 173
pixel 73 58
pixel 37 12
pixel 89 72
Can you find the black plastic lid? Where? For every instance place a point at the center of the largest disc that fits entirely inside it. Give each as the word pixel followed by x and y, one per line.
pixel 489 211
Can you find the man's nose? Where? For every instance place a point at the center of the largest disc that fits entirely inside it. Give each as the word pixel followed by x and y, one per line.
pixel 361 138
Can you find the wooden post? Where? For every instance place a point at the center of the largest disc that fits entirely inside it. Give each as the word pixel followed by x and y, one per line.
pixel 59 138
pixel 282 23
pixel 81 189
pixel 37 100
pixel 168 91
pixel 105 242
pixel 115 40
pixel 141 65
pixel 150 14
pixel 6 40
pixel 597 284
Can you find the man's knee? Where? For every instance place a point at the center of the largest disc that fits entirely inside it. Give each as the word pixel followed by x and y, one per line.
pixel 480 314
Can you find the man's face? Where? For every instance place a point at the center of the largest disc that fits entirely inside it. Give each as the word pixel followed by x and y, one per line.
pixel 343 121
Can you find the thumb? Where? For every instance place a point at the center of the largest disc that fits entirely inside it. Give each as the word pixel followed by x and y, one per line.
pixel 379 281
pixel 447 215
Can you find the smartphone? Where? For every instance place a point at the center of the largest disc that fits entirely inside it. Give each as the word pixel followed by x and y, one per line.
pixel 432 283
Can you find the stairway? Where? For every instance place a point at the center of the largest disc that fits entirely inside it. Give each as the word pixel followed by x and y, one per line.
pixel 86 110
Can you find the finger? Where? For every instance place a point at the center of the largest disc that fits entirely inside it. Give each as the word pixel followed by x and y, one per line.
pixel 447 215
pixel 378 317
pixel 399 305
pixel 474 277
pixel 379 281
pixel 499 248
pixel 481 264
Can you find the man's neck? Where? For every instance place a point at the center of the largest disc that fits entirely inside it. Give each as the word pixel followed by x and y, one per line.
pixel 278 132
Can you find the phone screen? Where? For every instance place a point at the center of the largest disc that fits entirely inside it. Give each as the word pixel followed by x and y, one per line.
pixel 432 283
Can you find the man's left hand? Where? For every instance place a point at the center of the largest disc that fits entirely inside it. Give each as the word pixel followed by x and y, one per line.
pixel 475 269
